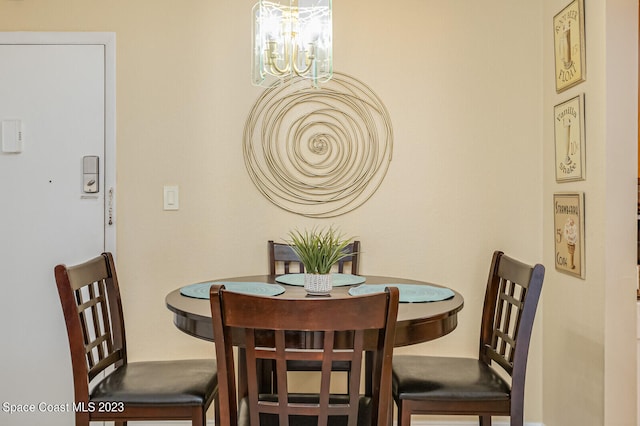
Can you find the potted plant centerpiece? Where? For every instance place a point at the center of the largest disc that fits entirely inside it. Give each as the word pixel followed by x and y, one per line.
pixel 319 250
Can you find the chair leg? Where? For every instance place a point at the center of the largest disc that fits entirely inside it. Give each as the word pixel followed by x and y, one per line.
pixel 517 413
pixel 216 410
pixel 199 416
pixel 82 419
pixel 485 420
pixel 404 416
pixel 516 420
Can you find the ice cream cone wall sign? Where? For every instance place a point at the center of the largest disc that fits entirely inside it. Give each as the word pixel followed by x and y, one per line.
pixel 569 232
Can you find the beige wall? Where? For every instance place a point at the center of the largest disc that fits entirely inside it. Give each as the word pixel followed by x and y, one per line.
pixel 589 324
pixel 468 99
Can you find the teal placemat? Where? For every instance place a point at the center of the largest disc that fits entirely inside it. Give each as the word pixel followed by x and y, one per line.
pixel 408 292
pixel 201 290
pixel 338 279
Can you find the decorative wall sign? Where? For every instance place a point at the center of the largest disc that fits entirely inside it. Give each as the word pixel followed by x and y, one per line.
pixel 318 152
pixel 568 212
pixel 568 36
pixel 569 139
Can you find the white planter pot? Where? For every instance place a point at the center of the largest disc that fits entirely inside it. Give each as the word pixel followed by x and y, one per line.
pixel 318 283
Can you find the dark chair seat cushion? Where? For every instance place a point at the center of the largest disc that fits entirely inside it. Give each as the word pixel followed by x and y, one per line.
pixel 183 382
pixel 439 378
pixel 364 411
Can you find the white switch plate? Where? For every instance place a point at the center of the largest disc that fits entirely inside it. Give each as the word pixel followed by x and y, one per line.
pixel 171 197
pixel 11 136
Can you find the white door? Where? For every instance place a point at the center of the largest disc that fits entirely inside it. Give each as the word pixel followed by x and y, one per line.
pixel 56 108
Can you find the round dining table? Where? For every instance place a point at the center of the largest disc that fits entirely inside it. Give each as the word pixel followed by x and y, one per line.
pixel 417 322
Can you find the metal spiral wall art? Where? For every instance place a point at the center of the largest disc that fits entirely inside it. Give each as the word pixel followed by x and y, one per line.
pixel 318 152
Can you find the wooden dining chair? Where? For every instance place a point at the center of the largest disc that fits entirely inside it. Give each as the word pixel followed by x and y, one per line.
pixel 268 328
pixel 106 386
pixel 283 260
pixel 474 386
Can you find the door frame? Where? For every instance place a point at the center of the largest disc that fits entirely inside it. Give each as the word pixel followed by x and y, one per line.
pixel 108 40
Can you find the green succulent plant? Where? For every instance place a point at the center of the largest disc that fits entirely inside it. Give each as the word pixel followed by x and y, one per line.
pixel 319 249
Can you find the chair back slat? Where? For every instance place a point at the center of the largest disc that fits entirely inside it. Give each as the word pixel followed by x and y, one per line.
pixel 98 341
pixel 336 329
pixel 284 260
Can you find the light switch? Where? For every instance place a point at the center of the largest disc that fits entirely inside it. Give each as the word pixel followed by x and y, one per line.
pixel 171 197
pixel 11 136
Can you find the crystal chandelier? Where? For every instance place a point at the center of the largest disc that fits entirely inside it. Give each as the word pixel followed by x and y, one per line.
pixel 292 38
